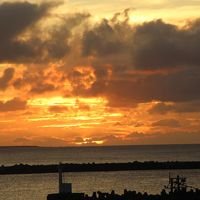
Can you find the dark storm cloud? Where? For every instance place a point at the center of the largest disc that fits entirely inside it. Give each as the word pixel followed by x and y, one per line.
pixel 161 108
pixel 167 122
pixel 6 78
pixel 132 63
pixel 42 88
pixel 107 140
pixel 58 45
pixel 36 81
pixel 103 40
pixel 58 109
pixel 137 135
pixel 13 105
pixel 21 18
pixel 146 138
pixel 22 140
pixel 125 91
pixel 15 18
pixel 151 45
pixel 165 138
pixel 109 37
pixel 42 141
pixel 163 57
pixel 184 107
pixel 157 45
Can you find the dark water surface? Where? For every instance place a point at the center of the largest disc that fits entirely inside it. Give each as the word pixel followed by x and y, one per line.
pixel 38 155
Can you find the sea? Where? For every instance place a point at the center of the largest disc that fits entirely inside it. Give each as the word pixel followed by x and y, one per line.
pixel 37 186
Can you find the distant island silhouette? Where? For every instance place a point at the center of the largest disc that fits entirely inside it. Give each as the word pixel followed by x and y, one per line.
pixel 87 167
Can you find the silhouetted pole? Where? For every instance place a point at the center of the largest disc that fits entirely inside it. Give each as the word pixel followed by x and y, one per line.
pixel 60 177
pixel 178 183
pixel 171 183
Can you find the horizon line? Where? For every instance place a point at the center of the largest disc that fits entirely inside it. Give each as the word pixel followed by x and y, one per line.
pixel 86 146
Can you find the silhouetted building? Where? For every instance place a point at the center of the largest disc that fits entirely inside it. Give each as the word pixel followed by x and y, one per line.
pixel 63 187
pixel 65 190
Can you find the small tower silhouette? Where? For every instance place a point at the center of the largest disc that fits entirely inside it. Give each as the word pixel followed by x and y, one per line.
pixel 60 177
pixel 177 184
pixel 63 187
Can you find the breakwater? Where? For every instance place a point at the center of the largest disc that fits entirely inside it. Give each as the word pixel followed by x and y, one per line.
pixel 87 167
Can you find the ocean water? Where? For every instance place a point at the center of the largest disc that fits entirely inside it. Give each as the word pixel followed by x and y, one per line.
pixel 38 155
pixel 37 186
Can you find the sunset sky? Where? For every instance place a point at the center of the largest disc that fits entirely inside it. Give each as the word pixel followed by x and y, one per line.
pixel 88 72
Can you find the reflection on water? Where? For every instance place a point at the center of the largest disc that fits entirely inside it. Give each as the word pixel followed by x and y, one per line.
pixel 32 187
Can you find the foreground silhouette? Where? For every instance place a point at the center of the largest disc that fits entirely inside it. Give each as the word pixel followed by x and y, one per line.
pixel 177 187
pixel 128 195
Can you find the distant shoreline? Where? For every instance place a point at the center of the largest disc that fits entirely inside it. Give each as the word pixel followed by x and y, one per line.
pixel 95 167
pixel 100 146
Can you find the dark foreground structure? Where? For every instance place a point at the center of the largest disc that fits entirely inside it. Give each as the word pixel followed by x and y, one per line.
pixel 177 190
pixel 128 195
